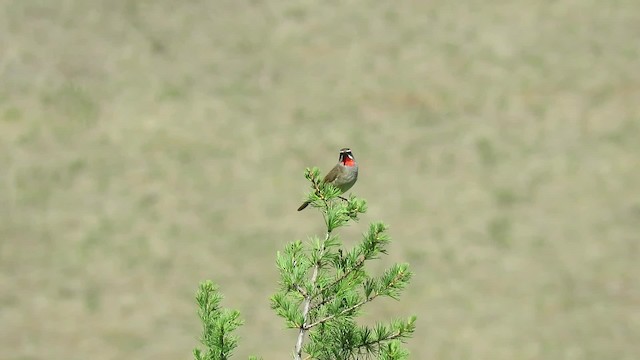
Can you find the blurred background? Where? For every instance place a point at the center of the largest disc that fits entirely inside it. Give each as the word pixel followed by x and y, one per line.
pixel 149 145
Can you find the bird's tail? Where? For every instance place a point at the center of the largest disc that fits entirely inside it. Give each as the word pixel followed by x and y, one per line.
pixel 304 205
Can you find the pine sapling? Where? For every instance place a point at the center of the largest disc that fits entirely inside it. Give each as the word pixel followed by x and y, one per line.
pixel 324 287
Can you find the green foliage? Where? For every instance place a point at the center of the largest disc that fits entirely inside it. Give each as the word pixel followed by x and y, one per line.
pixel 324 287
pixel 335 214
pixel 343 339
pixel 218 324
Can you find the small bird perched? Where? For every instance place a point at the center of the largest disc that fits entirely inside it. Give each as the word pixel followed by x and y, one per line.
pixel 343 175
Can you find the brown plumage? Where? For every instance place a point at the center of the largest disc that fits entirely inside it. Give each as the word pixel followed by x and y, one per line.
pixel 343 175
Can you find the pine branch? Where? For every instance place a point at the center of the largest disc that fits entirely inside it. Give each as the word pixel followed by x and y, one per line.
pixel 345 311
pixel 321 291
pixel 323 287
pixel 388 290
pixel 218 324
pixel 314 176
pixel 377 342
pixel 338 279
pixel 374 243
pixel 302 291
pixel 307 301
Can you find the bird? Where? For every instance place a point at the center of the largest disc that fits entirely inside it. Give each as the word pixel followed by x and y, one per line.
pixel 342 176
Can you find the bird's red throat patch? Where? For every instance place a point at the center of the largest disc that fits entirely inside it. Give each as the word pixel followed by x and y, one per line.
pixel 348 162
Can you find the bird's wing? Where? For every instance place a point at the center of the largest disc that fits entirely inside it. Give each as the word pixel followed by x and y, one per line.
pixel 332 175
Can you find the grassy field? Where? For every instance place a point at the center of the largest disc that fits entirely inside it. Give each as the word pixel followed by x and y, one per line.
pixel 148 145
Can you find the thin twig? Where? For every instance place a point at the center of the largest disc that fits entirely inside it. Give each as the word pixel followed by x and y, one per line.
pixel 301 290
pixel 350 308
pixel 355 267
pixel 316 186
pixel 390 337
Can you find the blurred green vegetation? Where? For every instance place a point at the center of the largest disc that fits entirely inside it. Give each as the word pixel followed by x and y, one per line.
pixel 146 145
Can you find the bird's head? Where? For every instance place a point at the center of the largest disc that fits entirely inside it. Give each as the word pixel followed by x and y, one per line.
pixel 346 157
